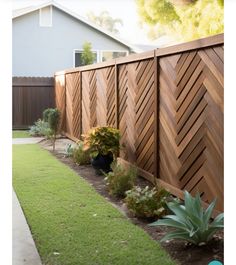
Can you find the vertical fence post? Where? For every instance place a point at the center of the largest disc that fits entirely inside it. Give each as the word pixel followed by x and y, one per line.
pixel 80 87
pixel 116 98
pixel 156 118
pixel 65 103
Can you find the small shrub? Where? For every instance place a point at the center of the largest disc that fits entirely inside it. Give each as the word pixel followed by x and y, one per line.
pixel 147 202
pixel 81 156
pixel 191 221
pixel 46 113
pixel 41 128
pixel 69 150
pixel 119 180
pixel 52 116
pixel 103 141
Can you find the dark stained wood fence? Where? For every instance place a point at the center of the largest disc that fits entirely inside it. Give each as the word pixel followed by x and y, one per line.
pixel 168 105
pixel 30 97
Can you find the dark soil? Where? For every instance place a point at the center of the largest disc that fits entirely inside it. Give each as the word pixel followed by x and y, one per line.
pixel 180 251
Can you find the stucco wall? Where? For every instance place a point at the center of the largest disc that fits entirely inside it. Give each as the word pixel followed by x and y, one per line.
pixel 40 51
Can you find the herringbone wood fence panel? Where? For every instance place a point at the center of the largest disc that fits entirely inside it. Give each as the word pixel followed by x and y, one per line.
pixel 60 99
pixel 69 104
pixel 74 81
pixel 85 102
pixel 101 104
pixel 93 99
pixel 109 75
pixel 98 98
pixel 191 122
pixel 136 113
pixel 169 109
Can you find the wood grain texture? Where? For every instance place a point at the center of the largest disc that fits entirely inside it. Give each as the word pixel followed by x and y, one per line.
pixel 191 123
pixel 30 97
pixel 136 113
pixel 169 107
pixel 60 99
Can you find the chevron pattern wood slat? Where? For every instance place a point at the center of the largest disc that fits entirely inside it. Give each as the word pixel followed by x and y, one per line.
pixel 60 98
pixel 98 98
pixel 73 108
pixel 136 113
pixel 85 102
pixel 76 104
pixel 189 115
pixel 191 122
pixel 69 104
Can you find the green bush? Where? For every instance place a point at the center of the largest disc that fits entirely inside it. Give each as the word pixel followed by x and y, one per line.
pixel 80 156
pixel 46 113
pixel 119 180
pixel 191 221
pixel 102 140
pixel 52 117
pixel 87 56
pixel 41 128
pixel 147 202
pixel 69 150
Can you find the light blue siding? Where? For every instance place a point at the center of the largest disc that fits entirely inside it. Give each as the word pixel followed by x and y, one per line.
pixel 40 51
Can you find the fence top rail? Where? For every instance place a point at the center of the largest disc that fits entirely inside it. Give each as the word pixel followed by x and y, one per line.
pixel 191 45
pixel 32 81
pixel 182 47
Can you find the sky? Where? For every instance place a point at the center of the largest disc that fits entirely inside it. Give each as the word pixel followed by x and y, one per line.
pixel 126 10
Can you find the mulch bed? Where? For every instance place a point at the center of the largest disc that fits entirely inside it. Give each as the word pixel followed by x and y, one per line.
pixel 179 250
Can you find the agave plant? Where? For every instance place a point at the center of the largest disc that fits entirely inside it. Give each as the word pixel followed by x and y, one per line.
pixel 191 222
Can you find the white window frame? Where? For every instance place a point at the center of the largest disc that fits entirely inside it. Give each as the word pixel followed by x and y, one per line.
pixel 81 50
pixel 40 20
pixel 101 51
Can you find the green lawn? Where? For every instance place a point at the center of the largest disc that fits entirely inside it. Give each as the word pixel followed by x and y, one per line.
pixel 20 134
pixel 70 222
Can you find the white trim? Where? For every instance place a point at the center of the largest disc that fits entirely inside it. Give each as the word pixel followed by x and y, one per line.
pixel 21 12
pixel 80 51
pixel 40 17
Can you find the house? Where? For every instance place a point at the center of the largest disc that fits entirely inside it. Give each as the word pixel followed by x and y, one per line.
pixel 49 37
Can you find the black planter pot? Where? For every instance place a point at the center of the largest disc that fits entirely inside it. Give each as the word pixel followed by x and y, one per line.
pixel 102 163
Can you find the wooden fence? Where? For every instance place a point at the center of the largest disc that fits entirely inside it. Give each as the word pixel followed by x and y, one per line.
pixel 168 105
pixel 30 97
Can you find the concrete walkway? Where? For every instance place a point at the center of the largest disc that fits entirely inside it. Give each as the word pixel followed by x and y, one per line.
pixel 24 251
pixel 33 140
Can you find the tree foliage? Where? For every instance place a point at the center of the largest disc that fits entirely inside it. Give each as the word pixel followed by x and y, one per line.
pixel 105 21
pixel 184 20
pixel 52 117
pixel 87 56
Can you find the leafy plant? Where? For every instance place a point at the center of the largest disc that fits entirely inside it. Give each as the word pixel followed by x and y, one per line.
pixel 80 156
pixel 102 140
pixel 191 221
pixel 69 150
pixel 147 202
pixel 46 113
pixel 40 128
pixel 87 56
pixel 52 116
pixel 119 180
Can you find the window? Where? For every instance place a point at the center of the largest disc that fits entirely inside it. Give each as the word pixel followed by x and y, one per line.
pixel 108 55
pixel 77 57
pixel 45 17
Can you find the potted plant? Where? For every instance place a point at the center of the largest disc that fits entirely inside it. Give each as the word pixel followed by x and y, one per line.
pixel 103 144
